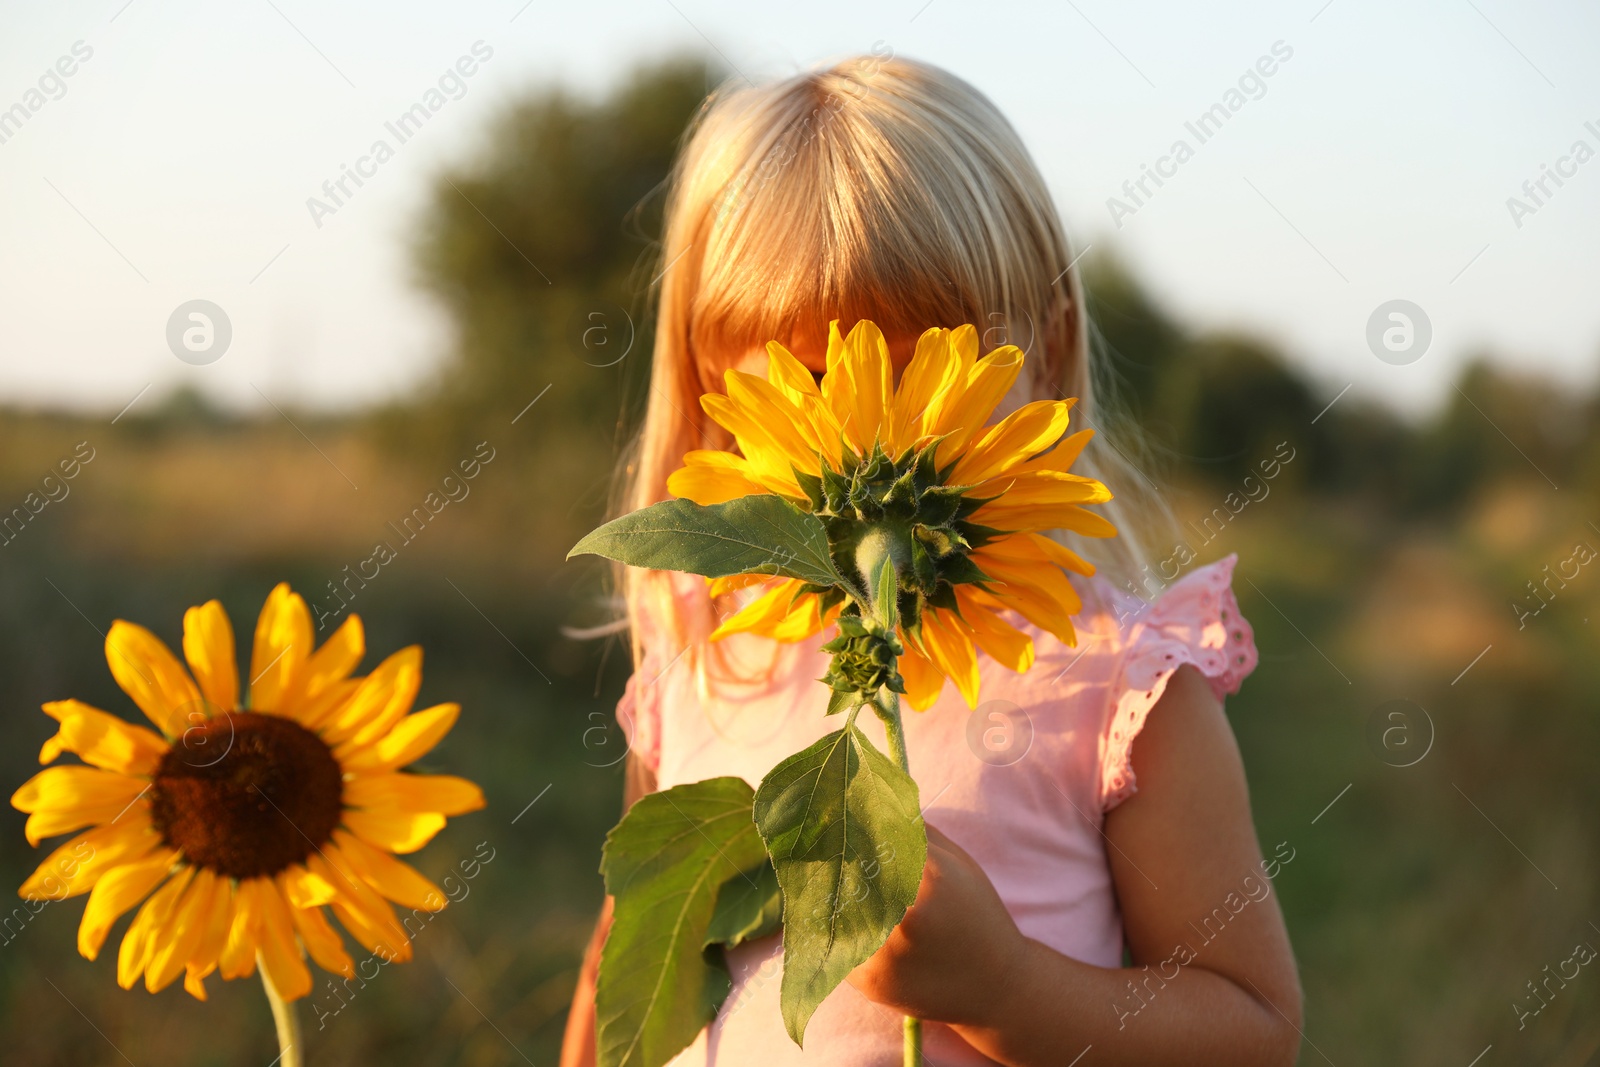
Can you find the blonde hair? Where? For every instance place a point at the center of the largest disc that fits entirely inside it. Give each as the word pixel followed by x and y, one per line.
pixel 878 188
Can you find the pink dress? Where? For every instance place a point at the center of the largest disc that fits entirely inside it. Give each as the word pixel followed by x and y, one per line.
pixel 1022 783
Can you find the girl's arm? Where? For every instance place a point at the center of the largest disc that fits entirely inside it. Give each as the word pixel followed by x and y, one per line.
pixel 1182 851
pixel 577 1045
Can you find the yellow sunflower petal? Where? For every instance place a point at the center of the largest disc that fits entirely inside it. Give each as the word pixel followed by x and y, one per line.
pixel 116 893
pixel 443 793
pixel 778 614
pixel 964 342
pixel 280 952
pixel 708 477
pixel 933 371
pixel 76 866
pixel 282 645
pixel 102 740
pixel 1042 487
pixel 340 654
pixel 835 353
pixel 180 935
pixel 1064 455
pixel 964 414
pixel 208 950
pixel 194 981
pixel 239 948
pixel 152 676
pixel 318 709
pixel 1040 593
pixel 382 699
pixel 306 890
pixel 208 646
pixel 732 583
pixel 923 680
pixel 1045 613
pixel 1004 643
pixel 396 831
pixel 768 463
pixel 42 825
pixel 1059 554
pixel 140 942
pixel 1017 564
pixel 1012 441
pixel 369 918
pixel 63 799
pixel 788 430
pixel 1003 514
pixel 836 387
pixel 859 382
pixel 394 880
pixel 961 346
pixel 412 738
pixel 950 649
pixel 789 376
pixel 322 941
pixel 75 787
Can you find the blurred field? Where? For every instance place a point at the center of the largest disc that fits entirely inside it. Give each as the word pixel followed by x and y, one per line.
pixel 1383 565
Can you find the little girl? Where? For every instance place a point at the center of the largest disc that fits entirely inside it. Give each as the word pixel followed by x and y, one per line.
pixel 1066 915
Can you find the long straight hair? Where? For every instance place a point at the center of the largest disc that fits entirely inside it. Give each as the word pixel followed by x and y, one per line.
pixel 877 188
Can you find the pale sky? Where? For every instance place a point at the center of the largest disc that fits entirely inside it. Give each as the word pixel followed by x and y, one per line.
pixel 1375 163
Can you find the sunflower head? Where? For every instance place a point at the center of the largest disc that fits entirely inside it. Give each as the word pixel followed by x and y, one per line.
pixel 234 823
pixel 912 471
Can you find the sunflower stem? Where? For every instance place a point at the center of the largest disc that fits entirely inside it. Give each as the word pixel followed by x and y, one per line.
pixel 894 729
pixel 286 1017
pixel 875 557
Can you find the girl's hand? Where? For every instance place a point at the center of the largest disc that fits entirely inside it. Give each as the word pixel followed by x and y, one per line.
pixel 948 959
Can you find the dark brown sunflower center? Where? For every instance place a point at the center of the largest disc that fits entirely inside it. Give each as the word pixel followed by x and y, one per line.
pixel 247 795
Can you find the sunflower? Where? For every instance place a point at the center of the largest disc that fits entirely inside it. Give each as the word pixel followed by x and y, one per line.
pixel 236 825
pixel 965 505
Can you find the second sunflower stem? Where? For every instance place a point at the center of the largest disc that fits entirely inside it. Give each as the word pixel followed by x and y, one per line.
pixel 286 1018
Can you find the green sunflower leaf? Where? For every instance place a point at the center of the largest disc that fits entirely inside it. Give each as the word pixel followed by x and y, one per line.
pixel 749 907
pixel 668 864
pixel 842 825
pixel 760 534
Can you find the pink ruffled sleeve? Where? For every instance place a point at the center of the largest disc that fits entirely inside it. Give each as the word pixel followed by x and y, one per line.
pixel 1195 621
pixel 639 711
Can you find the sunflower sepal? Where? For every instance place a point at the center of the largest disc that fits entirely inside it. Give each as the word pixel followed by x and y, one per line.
pixel 811 486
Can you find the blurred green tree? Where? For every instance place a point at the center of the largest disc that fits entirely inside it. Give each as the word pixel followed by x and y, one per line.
pixel 541 251
pixel 1499 426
